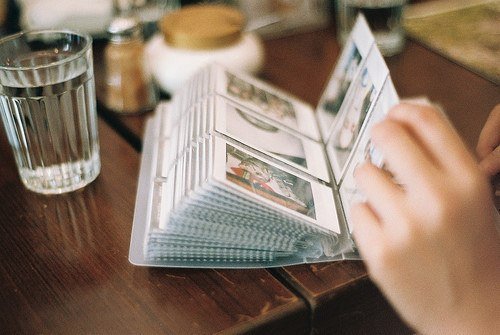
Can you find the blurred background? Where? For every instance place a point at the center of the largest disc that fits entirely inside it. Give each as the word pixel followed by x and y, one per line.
pixel 465 31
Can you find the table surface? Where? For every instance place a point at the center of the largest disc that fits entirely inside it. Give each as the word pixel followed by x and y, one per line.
pixel 63 259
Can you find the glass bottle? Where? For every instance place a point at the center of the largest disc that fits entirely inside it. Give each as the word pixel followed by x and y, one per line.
pixel 128 83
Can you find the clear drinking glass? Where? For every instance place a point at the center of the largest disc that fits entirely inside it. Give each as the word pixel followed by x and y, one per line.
pixel 385 18
pixel 48 108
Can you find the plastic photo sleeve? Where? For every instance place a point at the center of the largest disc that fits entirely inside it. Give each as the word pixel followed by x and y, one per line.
pixel 353 55
pixel 258 178
pixel 268 101
pixel 365 151
pixel 274 140
pixel 358 104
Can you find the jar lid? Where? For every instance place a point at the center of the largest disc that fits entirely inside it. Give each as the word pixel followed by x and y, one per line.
pixel 124 28
pixel 202 26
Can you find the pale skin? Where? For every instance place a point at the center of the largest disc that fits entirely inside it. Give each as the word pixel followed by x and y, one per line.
pixel 488 146
pixel 431 243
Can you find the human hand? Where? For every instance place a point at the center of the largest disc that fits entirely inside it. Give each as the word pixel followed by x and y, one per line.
pixel 488 146
pixel 430 242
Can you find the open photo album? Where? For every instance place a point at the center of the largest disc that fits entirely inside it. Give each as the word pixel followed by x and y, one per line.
pixel 237 173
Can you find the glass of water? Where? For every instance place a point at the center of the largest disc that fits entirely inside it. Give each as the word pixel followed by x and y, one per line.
pixel 385 18
pixel 48 108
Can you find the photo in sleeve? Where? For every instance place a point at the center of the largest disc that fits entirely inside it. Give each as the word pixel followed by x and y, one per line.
pixel 365 151
pixel 352 58
pixel 269 182
pixel 358 104
pixel 267 100
pixel 272 139
pixel 337 89
pixel 273 106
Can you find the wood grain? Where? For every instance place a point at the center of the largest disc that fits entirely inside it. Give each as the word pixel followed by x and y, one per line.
pixel 64 267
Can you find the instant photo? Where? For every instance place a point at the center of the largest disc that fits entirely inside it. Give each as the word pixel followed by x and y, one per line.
pixel 269 182
pixel 351 59
pixel 365 151
pixel 272 139
pixel 362 96
pixel 268 101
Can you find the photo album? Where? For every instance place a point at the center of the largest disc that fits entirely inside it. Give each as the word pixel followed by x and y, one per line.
pixel 236 173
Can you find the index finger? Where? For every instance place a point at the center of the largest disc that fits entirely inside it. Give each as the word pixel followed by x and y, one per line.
pixel 489 138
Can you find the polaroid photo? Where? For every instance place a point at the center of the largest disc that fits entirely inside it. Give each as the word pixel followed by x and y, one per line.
pixel 164 162
pixel 209 158
pixel 199 122
pixel 187 173
pixel 180 133
pixel 192 169
pixel 161 145
pixel 200 94
pixel 267 101
pixel 201 163
pixel 365 90
pixel 196 123
pixel 179 181
pixel 177 131
pixel 169 152
pixel 200 86
pixel 210 114
pixel 350 61
pixel 207 112
pixel 161 120
pixel 190 149
pixel 251 129
pixel 189 128
pixel 165 198
pixel 244 169
pixel 365 151
pixel 256 177
pixel 180 161
pixel 189 136
pixel 195 170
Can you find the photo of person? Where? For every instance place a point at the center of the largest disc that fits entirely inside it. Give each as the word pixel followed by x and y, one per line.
pixel 269 182
pixel 338 89
pixel 261 135
pixel 350 122
pixel 267 103
pixel 363 97
pixel 238 88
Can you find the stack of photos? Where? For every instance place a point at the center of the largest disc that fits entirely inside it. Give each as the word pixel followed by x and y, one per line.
pixel 236 173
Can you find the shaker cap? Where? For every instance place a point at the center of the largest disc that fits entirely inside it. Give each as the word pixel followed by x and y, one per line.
pixel 124 28
pixel 202 26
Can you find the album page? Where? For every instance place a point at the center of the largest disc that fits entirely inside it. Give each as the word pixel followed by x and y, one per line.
pixel 268 101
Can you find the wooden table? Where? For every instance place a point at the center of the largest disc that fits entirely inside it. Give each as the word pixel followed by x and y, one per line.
pixel 63 259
